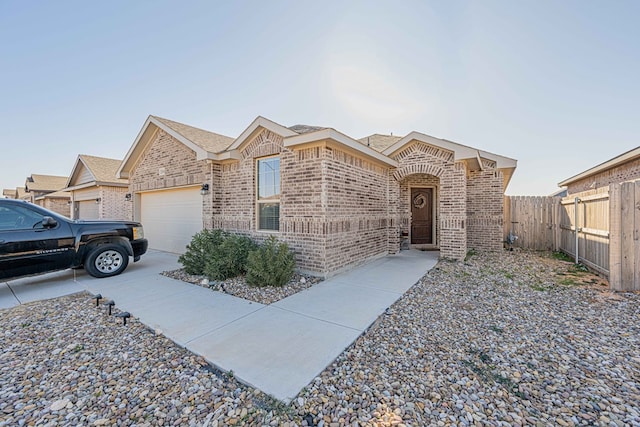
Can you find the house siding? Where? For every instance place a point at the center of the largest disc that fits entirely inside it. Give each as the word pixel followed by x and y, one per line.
pixel 626 172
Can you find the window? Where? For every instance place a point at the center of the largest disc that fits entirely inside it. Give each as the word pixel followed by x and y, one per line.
pixel 19 218
pixel 269 194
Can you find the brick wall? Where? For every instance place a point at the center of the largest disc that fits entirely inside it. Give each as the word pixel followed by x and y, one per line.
pixel 113 204
pixel 626 172
pixel 485 209
pixel 178 163
pixel 58 205
pixel 356 209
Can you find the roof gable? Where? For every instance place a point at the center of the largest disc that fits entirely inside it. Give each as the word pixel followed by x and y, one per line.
pixel 255 127
pixel 96 171
pixel 205 144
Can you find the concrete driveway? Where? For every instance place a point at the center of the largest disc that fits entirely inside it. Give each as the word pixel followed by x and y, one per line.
pixel 278 348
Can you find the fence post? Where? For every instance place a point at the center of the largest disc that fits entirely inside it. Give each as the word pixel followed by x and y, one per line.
pixel 576 216
pixel 615 234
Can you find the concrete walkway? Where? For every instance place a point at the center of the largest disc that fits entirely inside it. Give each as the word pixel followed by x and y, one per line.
pixel 277 348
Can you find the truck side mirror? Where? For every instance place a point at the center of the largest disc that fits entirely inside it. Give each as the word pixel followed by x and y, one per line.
pixel 48 222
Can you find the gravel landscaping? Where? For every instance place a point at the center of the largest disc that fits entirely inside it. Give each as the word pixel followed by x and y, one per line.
pixel 512 338
pixel 238 287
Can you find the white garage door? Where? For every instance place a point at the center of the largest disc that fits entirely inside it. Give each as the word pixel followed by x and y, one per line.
pixel 171 217
pixel 88 209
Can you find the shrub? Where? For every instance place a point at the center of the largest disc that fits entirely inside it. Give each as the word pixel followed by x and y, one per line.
pixel 229 259
pixel 202 246
pixel 272 264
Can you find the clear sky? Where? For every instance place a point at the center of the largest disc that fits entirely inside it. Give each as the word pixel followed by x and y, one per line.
pixel 553 84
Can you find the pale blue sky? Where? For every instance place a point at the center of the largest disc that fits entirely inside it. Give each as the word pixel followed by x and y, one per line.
pixel 554 84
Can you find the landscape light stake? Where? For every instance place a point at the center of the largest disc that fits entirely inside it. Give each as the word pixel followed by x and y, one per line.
pixel 98 297
pixel 125 315
pixel 110 304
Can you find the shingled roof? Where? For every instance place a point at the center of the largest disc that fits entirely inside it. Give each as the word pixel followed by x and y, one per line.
pixel 379 142
pixel 102 169
pixel 37 182
pixel 209 141
pixel 302 129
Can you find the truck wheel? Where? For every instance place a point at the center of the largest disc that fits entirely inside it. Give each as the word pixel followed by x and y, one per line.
pixel 106 260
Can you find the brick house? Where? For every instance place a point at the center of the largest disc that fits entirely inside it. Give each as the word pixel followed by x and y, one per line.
pixel 58 201
pixel 40 188
pixel 335 200
pixel 96 193
pixel 625 167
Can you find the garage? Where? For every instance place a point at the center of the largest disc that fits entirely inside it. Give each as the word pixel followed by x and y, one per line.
pixel 88 209
pixel 171 217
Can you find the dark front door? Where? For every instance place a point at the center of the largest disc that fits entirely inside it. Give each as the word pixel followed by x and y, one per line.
pixel 421 216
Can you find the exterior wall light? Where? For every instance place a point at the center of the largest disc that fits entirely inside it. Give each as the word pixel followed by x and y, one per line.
pixel 98 200
pixel 127 197
pixel 204 189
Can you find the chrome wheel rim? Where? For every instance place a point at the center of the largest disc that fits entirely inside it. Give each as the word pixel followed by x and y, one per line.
pixel 109 261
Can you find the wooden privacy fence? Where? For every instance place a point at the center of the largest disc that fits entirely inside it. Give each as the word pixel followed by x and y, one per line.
pixel 602 224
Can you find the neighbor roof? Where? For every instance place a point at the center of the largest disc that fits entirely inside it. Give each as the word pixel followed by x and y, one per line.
pixel 609 164
pixel 379 142
pixel 102 170
pixel 55 195
pixel 7 192
pixel 37 182
pixel 21 193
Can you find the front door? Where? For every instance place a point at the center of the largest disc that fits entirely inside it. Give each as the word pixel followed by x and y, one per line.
pixel 422 216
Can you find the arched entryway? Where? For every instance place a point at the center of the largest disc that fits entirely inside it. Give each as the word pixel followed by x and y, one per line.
pixel 419 197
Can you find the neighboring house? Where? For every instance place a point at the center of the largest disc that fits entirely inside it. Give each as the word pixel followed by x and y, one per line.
pixel 58 201
pixel 96 193
pixel 335 200
pixel 625 167
pixel 9 193
pixel 22 194
pixel 38 185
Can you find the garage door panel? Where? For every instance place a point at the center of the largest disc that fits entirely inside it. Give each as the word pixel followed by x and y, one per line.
pixel 171 218
pixel 88 209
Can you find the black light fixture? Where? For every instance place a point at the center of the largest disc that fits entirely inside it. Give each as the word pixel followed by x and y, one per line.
pixel 110 305
pixel 125 315
pixel 204 189
pixel 97 297
pixel 98 200
pixel 127 197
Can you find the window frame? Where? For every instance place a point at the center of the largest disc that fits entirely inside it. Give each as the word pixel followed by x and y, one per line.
pixel 275 199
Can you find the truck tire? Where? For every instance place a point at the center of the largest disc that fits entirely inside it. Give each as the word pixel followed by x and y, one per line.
pixel 106 260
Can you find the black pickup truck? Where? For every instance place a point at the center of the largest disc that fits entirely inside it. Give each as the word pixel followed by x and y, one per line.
pixel 35 240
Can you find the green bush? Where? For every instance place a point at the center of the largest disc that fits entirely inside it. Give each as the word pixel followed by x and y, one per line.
pixel 229 259
pixel 272 264
pixel 202 246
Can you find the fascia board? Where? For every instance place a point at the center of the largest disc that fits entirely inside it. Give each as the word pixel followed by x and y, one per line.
pixel 341 138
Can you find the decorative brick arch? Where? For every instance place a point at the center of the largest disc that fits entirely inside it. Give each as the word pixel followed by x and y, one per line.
pixel 405 171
